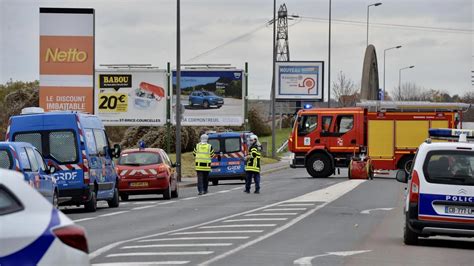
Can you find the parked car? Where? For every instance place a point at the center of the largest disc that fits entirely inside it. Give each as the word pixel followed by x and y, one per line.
pixel 146 171
pixel 230 149
pixel 26 159
pixel 32 231
pixel 440 191
pixel 205 99
pixel 76 145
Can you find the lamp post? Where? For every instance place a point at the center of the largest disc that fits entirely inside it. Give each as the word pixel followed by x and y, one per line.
pixel 400 81
pixel 384 51
pixel 329 58
pixel 178 90
pixel 273 81
pixel 376 4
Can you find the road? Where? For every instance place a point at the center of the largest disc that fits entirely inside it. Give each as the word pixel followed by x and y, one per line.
pixel 296 220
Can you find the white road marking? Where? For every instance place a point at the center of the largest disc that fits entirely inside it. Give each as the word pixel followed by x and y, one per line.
pixel 179 262
pixel 285 209
pixel 190 198
pixel 236 226
pixel 271 214
pixel 180 245
pixel 306 261
pixel 376 209
pixel 327 195
pixel 255 219
pixel 218 232
pixel 167 202
pixel 223 191
pixel 171 253
pixel 112 214
pixel 296 204
pixel 144 207
pixel 236 188
pixel 196 238
pixel 84 219
pixel 144 202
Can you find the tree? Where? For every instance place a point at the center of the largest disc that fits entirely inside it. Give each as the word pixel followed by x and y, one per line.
pixel 344 90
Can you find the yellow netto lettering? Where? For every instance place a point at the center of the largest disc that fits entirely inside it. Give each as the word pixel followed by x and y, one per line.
pixel 72 55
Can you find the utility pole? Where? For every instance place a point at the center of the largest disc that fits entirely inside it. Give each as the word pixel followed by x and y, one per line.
pixel 273 81
pixel 178 91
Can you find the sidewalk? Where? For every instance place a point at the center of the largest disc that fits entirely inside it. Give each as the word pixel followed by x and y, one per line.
pixel 266 169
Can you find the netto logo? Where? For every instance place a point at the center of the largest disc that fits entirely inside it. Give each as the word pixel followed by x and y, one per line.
pixel 72 55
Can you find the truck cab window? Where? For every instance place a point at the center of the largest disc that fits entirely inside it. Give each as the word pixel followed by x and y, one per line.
pixel 344 123
pixel 327 121
pixel 307 124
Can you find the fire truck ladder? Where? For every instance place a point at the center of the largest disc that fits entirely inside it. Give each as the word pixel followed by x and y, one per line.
pixel 389 106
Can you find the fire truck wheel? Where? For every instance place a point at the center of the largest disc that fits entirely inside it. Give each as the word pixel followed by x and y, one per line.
pixel 405 163
pixel 319 165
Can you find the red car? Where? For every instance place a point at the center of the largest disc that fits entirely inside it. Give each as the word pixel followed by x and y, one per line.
pixel 146 171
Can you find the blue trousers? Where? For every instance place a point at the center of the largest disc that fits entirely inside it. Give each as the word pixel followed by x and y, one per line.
pixel 203 180
pixel 248 180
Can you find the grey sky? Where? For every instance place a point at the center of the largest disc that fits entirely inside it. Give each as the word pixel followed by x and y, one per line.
pixel 144 31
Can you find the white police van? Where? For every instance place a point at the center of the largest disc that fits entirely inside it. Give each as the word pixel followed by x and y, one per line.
pixel 440 192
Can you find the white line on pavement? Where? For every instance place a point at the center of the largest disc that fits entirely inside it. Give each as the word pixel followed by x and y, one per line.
pixel 112 213
pixel 271 214
pixel 84 219
pixel 285 209
pixel 218 232
pixel 196 238
pixel 255 219
pixel 143 263
pixel 160 253
pixel 167 202
pixel 144 202
pixel 144 207
pixel 180 245
pixel 296 205
pixel 223 191
pixel 190 198
pixel 236 226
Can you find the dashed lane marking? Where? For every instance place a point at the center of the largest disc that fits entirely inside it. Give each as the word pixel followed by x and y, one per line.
pixel 179 245
pixel 255 219
pixel 285 209
pixel 171 253
pixel 271 214
pixel 218 232
pixel 84 219
pixel 112 214
pixel 236 226
pixel 144 207
pixel 143 263
pixel 195 238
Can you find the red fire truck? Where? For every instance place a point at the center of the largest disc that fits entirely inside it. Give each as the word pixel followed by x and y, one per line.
pixel 388 133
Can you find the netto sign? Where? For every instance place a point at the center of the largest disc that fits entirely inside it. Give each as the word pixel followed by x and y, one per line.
pixel 71 55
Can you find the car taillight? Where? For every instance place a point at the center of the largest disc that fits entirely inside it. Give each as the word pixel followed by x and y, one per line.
pixel 86 171
pixel 415 187
pixel 73 236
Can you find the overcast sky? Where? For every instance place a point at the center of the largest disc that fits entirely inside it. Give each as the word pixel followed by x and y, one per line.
pixel 144 31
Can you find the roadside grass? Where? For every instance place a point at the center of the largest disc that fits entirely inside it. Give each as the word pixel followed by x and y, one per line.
pixel 281 135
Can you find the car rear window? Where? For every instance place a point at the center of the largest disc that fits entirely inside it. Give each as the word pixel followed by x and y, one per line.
pixel 33 138
pixel 139 158
pixel 450 167
pixel 232 145
pixel 6 161
pixel 8 202
pixel 62 146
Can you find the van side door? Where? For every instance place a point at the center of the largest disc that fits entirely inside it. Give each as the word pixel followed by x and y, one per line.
pixel 107 180
pixel 95 164
pixel 39 181
pixel 46 180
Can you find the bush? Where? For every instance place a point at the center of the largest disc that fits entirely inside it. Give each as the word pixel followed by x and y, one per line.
pixel 257 125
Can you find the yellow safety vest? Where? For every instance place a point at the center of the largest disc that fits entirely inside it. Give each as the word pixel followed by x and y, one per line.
pixel 203 153
pixel 253 163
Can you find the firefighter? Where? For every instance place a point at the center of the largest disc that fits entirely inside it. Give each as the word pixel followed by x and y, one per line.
pixel 252 167
pixel 203 153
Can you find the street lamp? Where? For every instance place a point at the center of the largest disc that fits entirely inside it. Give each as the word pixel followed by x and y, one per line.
pixel 395 47
pixel 400 81
pixel 376 4
pixel 273 81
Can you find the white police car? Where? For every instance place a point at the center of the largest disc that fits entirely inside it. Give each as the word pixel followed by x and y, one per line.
pixel 440 193
pixel 32 231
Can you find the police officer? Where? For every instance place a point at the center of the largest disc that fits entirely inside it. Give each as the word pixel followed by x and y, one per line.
pixel 203 153
pixel 252 167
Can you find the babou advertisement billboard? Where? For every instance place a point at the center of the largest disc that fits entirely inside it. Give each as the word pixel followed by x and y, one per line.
pixel 299 80
pixel 131 97
pixel 210 97
pixel 67 59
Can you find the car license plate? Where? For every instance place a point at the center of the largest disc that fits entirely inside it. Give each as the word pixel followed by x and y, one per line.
pixel 139 184
pixel 459 210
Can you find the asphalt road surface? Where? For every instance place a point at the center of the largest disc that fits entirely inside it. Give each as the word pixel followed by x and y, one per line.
pixel 296 220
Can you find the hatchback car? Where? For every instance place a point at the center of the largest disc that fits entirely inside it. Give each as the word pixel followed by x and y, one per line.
pixel 32 231
pixel 146 171
pixel 440 193
pixel 205 99
pixel 26 159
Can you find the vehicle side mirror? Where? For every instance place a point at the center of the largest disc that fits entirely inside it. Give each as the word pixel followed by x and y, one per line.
pixel 402 176
pixel 51 170
pixel 173 165
pixel 116 151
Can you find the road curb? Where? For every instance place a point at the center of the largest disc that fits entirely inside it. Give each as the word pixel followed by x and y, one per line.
pixel 263 172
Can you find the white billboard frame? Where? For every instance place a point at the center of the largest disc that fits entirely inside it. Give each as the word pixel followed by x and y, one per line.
pixel 294 76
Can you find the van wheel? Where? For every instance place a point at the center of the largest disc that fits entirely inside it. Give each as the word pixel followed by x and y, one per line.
pixel 215 182
pixel 114 202
pixel 405 164
pixel 124 197
pixel 175 193
pixel 319 165
pixel 55 200
pixel 167 193
pixel 91 205
pixel 409 237
pixel 205 104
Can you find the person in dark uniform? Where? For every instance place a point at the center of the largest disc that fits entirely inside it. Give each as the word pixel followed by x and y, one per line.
pixel 252 166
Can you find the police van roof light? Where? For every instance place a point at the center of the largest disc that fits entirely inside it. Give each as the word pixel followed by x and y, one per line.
pixel 141 145
pixel 308 106
pixel 32 110
pixel 453 134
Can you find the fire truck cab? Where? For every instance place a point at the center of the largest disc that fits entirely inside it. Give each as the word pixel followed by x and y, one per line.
pixel 386 132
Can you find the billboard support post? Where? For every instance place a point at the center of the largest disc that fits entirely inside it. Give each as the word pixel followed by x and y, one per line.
pixel 246 96
pixel 168 112
pixel 178 91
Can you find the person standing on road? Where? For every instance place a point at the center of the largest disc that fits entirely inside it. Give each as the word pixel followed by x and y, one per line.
pixel 252 167
pixel 203 153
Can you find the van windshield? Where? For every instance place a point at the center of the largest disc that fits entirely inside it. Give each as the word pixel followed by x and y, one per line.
pixel 5 160
pixel 139 158
pixel 450 167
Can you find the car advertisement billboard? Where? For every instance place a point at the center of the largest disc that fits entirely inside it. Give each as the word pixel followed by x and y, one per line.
pixel 129 97
pixel 66 59
pixel 299 80
pixel 210 97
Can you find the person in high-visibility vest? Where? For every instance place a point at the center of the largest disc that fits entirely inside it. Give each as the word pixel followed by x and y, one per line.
pixel 252 167
pixel 203 153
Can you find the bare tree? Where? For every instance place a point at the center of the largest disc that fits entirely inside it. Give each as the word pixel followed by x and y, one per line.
pixel 411 92
pixel 344 90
